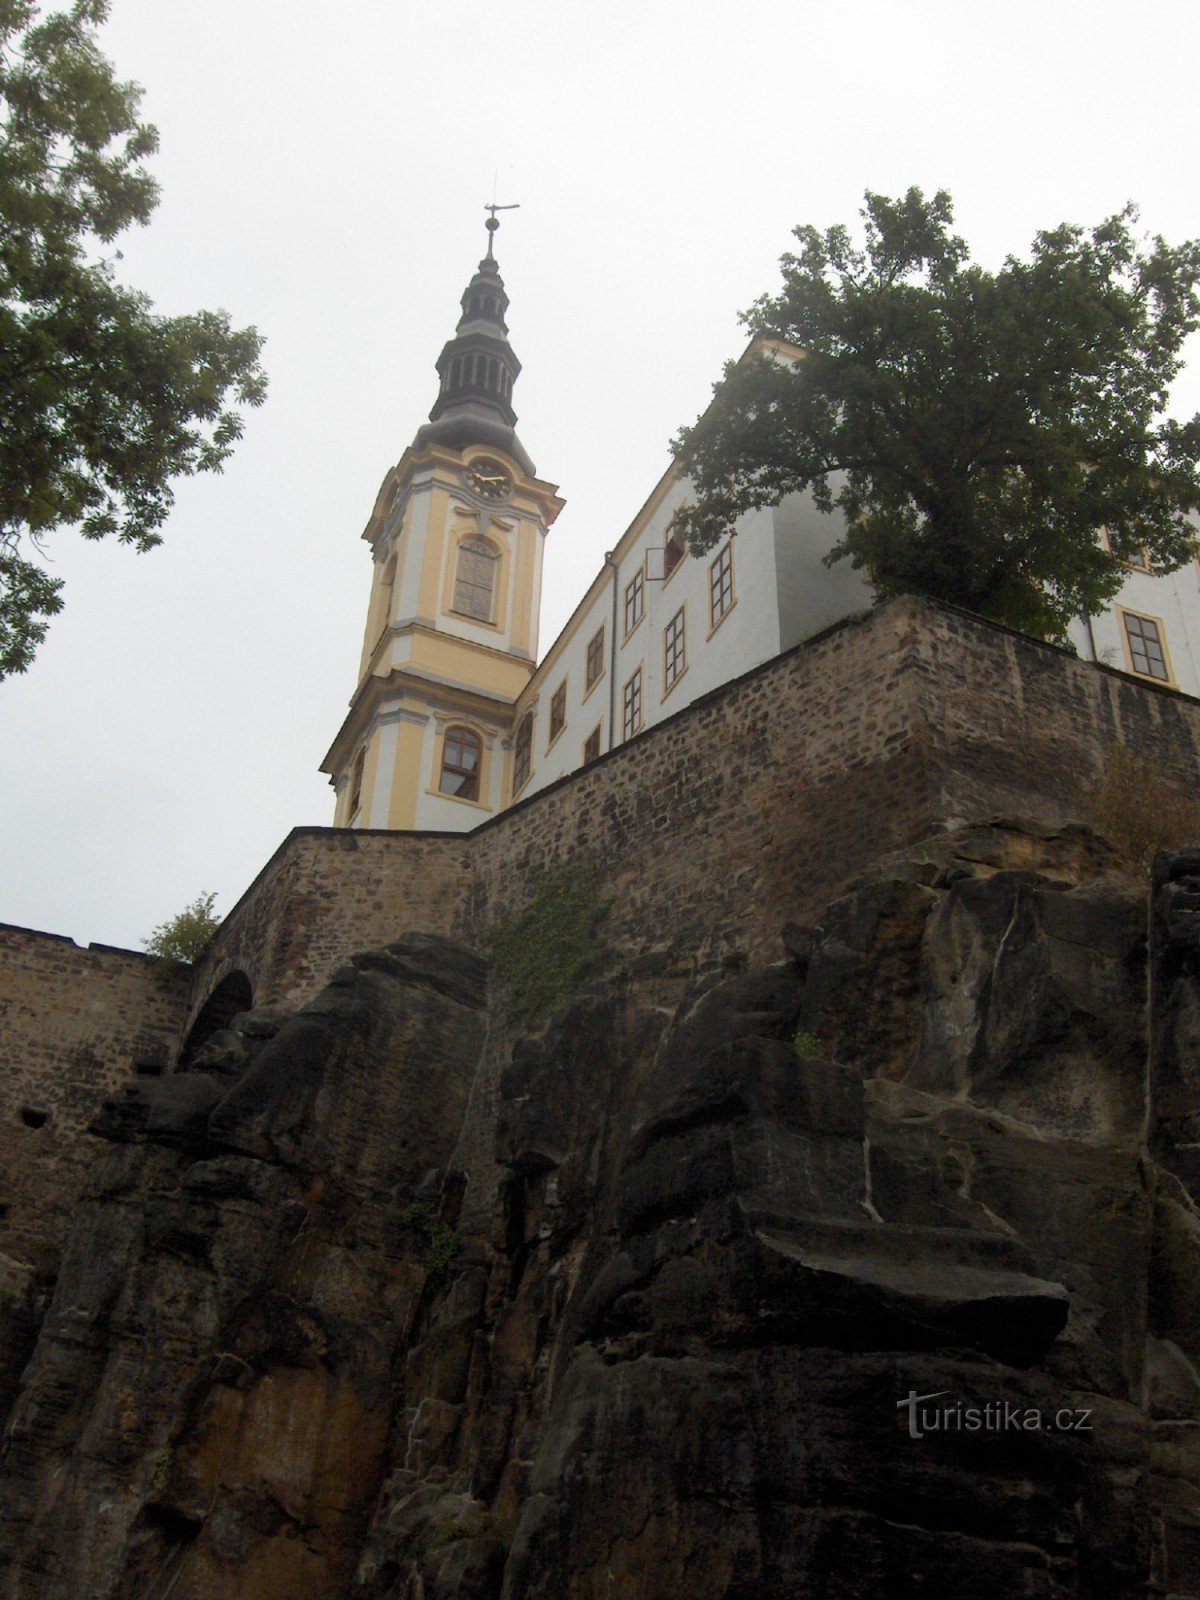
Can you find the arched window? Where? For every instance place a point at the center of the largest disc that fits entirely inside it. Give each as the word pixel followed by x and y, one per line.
pixel 523 753
pixel 386 585
pixel 462 752
pixel 475 579
pixel 356 783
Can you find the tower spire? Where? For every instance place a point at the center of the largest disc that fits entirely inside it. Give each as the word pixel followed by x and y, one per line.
pixel 478 368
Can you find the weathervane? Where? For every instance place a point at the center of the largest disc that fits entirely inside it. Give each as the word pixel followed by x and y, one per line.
pixel 493 222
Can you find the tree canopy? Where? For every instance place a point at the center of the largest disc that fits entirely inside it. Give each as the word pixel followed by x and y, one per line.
pixel 186 935
pixel 994 439
pixel 102 402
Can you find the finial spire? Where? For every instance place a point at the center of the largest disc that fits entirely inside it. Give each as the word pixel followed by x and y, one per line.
pixel 493 222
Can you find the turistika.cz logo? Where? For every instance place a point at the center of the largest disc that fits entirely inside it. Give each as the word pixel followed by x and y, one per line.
pixel 994 1416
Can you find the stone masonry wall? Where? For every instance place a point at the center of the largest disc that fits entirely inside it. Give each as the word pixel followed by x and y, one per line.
pixel 1014 725
pixel 750 808
pixel 74 1024
pixel 326 893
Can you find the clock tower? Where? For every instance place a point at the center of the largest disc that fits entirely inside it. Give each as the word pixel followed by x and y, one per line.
pixel 456 538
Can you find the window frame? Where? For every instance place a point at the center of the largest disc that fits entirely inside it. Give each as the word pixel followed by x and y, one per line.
pixel 677 544
pixel 464 737
pixel 670 679
pixel 595 643
pixel 635 589
pixel 1124 614
pixel 357 775
pixel 522 754
pixel 717 585
pixel 483 549
pixel 633 700
pixel 596 736
pixel 558 714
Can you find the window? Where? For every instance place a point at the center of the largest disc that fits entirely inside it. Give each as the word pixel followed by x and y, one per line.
pixel 1146 651
pixel 386 585
pixel 674 650
pixel 635 601
pixel 631 706
pixel 673 554
pixel 461 754
pixel 356 783
pixel 475 579
pixel 595 660
pixel 558 710
pixel 591 748
pixel 523 753
pixel 720 585
pixel 1140 561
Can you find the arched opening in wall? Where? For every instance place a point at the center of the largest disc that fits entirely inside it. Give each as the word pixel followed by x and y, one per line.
pixel 232 994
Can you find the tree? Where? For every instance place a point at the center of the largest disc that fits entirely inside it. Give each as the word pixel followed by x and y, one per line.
pixel 977 430
pixel 185 936
pixel 102 402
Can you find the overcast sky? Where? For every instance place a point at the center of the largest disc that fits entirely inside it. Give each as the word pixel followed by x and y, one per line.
pixel 323 175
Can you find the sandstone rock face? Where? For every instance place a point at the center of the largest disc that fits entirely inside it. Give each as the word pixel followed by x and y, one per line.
pixel 874 1272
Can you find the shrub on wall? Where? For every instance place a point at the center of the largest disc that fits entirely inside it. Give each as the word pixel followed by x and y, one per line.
pixel 185 936
pixel 545 952
pixel 1141 806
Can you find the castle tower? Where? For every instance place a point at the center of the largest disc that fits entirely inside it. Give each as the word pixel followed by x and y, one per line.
pixel 451 639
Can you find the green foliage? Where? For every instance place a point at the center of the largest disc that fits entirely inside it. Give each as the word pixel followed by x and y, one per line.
pixel 440 1242
pixel 102 402
pixel 1141 807
pixel 548 950
pixel 977 430
pixel 185 937
pixel 475 1525
pixel 807 1046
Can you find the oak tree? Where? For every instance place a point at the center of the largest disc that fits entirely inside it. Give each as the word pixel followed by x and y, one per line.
pixel 994 439
pixel 102 401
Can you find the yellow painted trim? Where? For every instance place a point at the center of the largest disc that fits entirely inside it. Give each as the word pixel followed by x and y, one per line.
pixel 370 775
pixel 731 607
pixel 435 542
pixel 522 635
pixel 402 802
pixel 483 733
pixel 1168 682
pixel 498 538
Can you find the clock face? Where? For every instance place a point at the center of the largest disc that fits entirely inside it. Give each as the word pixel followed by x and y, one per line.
pixel 489 479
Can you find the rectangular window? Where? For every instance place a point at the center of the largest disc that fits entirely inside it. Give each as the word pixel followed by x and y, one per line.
pixel 635 601
pixel 591 748
pixel 1146 647
pixel 558 710
pixel 631 706
pixel 720 585
pixel 595 660
pixel 523 753
pixel 674 552
pixel 674 650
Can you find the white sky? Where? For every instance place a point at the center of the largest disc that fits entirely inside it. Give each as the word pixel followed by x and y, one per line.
pixel 324 171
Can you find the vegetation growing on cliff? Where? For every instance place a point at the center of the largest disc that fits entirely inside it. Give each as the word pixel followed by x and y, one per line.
pixel 545 952
pixel 185 936
pixel 978 430
pixel 1141 807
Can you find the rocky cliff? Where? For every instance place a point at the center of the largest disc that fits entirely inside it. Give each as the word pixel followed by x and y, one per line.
pixel 872 1272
